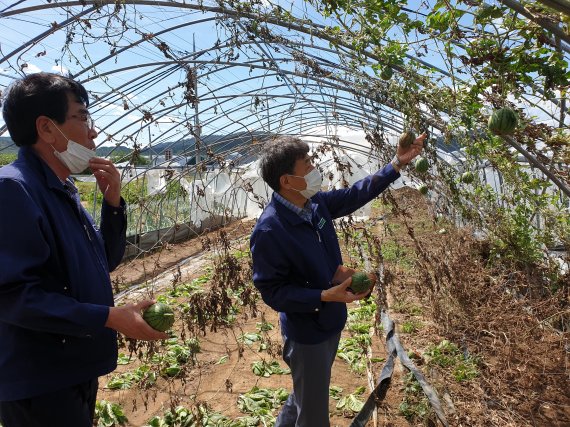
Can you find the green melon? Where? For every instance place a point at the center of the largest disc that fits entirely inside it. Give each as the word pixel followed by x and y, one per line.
pixel 386 73
pixel 503 121
pixel 467 177
pixel 406 139
pixel 159 316
pixel 421 165
pixel 360 282
pixel 423 189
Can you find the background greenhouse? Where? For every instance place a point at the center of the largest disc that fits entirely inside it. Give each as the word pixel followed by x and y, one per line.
pixel 472 253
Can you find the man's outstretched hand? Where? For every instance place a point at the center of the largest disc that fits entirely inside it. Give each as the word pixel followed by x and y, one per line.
pixel 407 154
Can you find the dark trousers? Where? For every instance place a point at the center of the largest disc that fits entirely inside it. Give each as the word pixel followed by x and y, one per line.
pixel 308 405
pixel 69 407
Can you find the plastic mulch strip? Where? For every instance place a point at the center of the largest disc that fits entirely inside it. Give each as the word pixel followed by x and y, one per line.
pixel 395 349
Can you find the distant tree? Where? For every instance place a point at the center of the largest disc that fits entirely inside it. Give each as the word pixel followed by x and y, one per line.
pixel 138 159
pixel 7 158
pixel 134 158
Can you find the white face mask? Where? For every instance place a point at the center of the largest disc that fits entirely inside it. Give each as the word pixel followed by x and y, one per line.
pixel 314 181
pixel 76 157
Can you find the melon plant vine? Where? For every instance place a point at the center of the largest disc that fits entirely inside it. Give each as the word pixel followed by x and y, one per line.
pixel 489 55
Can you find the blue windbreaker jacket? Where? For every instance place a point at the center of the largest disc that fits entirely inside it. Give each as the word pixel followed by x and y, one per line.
pixel 294 261
pixel 55 290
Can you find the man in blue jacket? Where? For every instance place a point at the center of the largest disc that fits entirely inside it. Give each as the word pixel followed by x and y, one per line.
pixel 57 320
pixel 297 267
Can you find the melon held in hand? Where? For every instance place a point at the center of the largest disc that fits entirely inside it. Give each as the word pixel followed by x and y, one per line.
pixel 159 316
pixel 360 282
pixel 406 139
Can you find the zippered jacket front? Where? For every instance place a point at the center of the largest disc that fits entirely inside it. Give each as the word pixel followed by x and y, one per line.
pixel 55 289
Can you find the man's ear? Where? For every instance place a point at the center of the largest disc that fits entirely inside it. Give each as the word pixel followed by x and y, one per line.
pixel 45 129
pixel 284 182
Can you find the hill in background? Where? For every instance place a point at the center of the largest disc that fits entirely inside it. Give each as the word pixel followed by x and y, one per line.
pixel 7 146
pixel 218 143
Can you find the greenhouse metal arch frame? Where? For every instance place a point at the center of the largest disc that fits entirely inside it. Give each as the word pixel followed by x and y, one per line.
pixel 301 75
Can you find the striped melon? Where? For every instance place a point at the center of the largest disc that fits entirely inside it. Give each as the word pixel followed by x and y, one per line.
pixel 159 316
pixel 421 165
pixel 360 282
pixel 503 121
pixel 467 177
pixel 386 73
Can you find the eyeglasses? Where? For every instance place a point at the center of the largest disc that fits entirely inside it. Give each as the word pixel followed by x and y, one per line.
pixel 85 117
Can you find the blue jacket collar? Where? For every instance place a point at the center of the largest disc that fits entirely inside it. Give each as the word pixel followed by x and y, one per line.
pixel 28 155
pixel 292 217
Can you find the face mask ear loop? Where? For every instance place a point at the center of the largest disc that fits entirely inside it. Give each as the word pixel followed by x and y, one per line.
pixel 296 176
pixel 57 127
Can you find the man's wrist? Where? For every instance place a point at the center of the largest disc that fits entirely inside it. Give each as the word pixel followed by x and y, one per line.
pixel 323 295
pixel 397 163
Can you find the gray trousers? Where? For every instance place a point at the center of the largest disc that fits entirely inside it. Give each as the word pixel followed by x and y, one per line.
pixel 71 406
pixel 310 364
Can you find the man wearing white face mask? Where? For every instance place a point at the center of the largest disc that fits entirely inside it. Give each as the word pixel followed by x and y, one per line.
pixel 58 322
pixel 297 267
pixel 76 157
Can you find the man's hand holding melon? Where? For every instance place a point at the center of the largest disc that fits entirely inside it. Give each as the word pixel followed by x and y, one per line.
pixel 341 290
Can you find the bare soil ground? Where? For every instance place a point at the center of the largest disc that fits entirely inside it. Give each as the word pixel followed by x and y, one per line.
pixel 438 286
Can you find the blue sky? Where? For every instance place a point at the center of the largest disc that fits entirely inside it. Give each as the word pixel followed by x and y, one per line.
pixel 47 55
pixel 157 89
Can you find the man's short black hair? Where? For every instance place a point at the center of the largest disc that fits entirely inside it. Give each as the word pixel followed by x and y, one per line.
pixel 280 157
pixel 40 94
